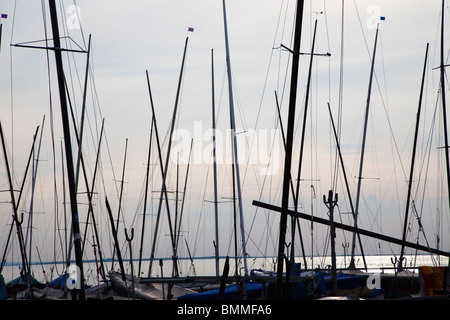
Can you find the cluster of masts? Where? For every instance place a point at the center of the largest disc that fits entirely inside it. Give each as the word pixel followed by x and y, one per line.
pixel 287 190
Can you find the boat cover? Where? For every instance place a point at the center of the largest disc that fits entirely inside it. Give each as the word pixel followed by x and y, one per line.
pixel 232 292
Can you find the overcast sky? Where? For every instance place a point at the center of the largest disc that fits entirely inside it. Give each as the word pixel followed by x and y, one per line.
pixel 130 37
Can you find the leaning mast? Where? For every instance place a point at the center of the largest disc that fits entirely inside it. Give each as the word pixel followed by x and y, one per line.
pixel 411 172
pixel 216 246
pixel 165 170
pixel 358 192
pixel 444 107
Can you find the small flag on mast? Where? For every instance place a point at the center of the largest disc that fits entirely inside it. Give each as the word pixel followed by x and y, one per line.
pixel 4 16
pixel 190 29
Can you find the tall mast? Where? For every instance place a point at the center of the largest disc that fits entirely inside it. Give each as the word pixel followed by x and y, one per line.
pixel 293 219
pixel 177 234
pixel 120 198
pixel 216 247
pixel 91 208
pixel 121 184
pixel 2 16
pixel 158 145
pixel 175 223
pixel 352 260
pixel 68 148
pixel 411 172
pixel 66 243
pixel 234 140
pixel 444 107
pixel 163 188
pixel 289 143
pixel 83 112
pixel 116 241
pixel 145 197
pixel 338 146
pixel 305 117
pixel 33 186
pixel 14 204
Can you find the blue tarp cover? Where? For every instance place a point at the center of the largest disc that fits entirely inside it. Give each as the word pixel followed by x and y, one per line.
pixel 232 292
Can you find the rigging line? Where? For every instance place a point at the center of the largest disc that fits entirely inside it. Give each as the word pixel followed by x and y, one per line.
pixel 199 228
pixel 264 181
pixel 201 211
pixel 392 139
pixel 329 49
pixel 429 143
pixel 79 22
pixel 421 229
pixel 267 75
pixel 81 87
pixel 11 85
pixel 384 103
pixel 341 89
pixel 286 72
pixel 268 67
pixel 68 44
pixel 282 33
pixel 379 89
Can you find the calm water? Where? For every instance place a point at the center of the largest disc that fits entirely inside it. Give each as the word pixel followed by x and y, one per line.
pixel 206 266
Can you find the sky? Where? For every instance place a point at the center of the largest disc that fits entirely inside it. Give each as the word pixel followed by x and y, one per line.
pixel 129 38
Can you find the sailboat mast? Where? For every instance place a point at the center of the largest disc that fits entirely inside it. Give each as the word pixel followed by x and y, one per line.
pixel 33 186
pixel 338 146
pixel 145 197
pixel 66 243
pixel 234 140
pixel 358 192
pixel 163 188
pixel 411 172
pixel 305 114
pixel 177 234
pixel 120 198
pixel 444 107
pixel 91 208
pixel 305 117
pixel 294 220
pixel 83 112
pixel 116 241
pixel 68 147
pixel 289 143
pixel 14 205
pixel 158 145
pixel 216 214
pixel 121 184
